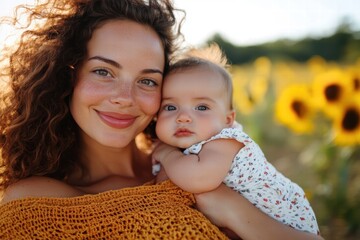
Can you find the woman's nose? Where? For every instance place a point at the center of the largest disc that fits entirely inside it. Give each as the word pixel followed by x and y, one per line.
pixel 183 117
pixel 122 94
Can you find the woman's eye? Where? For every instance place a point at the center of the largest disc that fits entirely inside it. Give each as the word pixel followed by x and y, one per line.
pixel 148 82
pixel 202 108
pixel 169 108
pixel 102 72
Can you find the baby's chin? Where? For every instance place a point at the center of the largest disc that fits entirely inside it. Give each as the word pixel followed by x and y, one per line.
pixel 183 143
pixel 184 146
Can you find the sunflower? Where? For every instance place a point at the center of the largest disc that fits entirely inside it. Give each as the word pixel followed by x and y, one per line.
pixel 243 101
pixel 294 109
pixel 354 75
pixel 258 87
pixel 346 126
pixel 284 76
pixel 262 67
pixel 316 64
pixel 331 90
pixel 250 85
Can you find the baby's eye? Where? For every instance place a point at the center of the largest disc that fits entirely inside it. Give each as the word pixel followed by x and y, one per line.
pixel 169 108
pixel 201 108
pixel 148 82
pixel 102 72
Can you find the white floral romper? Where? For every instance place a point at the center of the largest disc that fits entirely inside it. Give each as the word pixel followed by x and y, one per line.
pixel 259 182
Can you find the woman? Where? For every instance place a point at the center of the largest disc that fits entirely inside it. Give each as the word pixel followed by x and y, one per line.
pixel 85 84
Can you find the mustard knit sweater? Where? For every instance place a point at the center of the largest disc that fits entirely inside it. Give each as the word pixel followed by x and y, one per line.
pixel 161 211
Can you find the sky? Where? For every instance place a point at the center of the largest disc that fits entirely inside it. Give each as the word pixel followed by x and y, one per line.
pixel 250 22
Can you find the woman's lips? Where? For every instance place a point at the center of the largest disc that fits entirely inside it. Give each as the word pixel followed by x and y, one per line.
pixel 116 120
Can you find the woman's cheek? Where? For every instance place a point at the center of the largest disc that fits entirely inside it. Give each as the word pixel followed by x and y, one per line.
pixel 150 103
pixel 90 91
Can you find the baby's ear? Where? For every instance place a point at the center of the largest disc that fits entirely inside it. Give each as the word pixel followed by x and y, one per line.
pixel 230 118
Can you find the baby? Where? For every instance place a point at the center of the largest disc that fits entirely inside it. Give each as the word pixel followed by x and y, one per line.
pixel 197 116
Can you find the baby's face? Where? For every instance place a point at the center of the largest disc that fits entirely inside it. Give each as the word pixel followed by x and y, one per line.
pixel 194 107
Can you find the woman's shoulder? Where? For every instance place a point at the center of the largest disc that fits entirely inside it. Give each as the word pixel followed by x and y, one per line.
pixel 37 186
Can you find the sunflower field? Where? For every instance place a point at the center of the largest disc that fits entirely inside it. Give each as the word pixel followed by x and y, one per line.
pixel 306 118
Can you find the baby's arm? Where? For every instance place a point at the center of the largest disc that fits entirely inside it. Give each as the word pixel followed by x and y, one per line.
pixel 198 173
pixel 227 208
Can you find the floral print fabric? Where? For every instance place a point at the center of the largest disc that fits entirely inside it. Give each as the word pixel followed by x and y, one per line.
pixel 258 181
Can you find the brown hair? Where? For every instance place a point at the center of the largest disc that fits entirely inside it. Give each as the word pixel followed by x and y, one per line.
pixel 37 133
pixel 211 57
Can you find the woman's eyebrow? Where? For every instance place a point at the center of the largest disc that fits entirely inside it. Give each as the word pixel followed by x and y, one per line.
pixel 106 60
pixel 152 70
pixel 117 65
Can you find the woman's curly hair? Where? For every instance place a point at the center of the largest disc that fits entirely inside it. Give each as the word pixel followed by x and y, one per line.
pixel 37 133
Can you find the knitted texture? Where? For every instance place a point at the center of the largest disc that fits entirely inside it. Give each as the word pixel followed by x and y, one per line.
pixel 161 211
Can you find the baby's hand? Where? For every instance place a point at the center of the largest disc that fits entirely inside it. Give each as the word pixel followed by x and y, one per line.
pixel 161 175
pixel 159 154
pixel 161 151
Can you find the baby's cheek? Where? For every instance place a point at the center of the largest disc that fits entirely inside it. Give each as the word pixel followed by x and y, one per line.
pixel 162 129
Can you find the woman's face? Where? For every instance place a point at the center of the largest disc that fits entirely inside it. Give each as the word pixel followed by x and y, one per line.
pixel 118 86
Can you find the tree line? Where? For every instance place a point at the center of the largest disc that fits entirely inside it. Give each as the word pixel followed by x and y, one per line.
pixel 342 46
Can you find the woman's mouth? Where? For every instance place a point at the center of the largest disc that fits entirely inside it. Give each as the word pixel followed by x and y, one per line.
pixel 116 120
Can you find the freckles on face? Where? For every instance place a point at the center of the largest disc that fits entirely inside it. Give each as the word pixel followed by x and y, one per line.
pixel 87 91
pixel 118 88
pixel 150 103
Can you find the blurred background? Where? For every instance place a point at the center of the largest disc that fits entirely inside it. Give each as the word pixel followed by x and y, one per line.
pixel 296 75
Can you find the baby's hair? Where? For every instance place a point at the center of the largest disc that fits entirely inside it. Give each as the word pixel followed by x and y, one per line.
pixel 211 53
pixel 211 57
